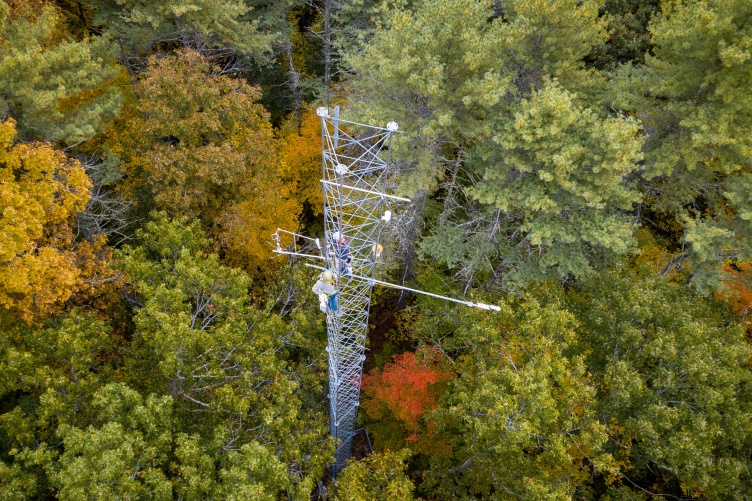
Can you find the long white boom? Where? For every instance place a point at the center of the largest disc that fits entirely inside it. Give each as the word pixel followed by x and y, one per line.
pixel 482 306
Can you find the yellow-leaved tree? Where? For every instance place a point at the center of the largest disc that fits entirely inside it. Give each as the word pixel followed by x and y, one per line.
pixel 300 159
pixel 41 190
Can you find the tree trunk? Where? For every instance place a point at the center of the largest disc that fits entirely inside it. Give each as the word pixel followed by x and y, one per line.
pixel 293 80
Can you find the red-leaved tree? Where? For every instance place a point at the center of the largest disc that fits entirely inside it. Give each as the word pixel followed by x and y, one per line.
pixel 401 393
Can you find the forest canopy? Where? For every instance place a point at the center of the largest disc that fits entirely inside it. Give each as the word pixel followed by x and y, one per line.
pixel 584 165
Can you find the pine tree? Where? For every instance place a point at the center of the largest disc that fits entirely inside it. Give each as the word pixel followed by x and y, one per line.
pixel 628 33
pixel 693 101
pixel 538 193
pixel 223 27
pixel 556 173
pixel 56 88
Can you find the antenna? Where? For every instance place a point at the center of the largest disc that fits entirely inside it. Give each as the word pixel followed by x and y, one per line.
pixel 355 180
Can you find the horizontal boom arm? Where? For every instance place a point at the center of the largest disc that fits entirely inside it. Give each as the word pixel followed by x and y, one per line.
pixel 482 306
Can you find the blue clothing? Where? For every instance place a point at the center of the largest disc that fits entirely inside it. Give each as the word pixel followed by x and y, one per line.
pixel 340 251
pixel 333 303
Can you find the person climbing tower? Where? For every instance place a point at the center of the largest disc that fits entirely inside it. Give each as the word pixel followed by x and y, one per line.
pixel 326 291
pixel 339 250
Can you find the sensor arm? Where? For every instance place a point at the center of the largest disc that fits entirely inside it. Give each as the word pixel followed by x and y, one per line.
pixel 482 306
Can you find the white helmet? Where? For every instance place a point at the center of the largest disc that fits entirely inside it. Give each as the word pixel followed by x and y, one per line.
pixel 327 276
pixel 336 236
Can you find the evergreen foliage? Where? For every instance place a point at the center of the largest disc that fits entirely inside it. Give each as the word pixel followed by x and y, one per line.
pixel 553 169
pixel 629 37
pixel 56 88
pixel 692 96
pixel 557 175
pixel 217 25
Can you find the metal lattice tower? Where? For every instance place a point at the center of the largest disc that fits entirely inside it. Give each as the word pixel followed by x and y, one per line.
pixel 355 176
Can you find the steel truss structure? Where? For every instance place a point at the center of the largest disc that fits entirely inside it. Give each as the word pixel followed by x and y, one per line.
pixel 356 177
pixel 355 168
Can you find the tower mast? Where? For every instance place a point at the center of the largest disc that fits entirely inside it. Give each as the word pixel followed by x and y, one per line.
pixel 355 179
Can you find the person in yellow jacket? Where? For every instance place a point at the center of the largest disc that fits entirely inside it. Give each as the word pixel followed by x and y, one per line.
pixel 326 291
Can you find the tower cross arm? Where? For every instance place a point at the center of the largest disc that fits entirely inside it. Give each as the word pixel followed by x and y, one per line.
pixel 353 188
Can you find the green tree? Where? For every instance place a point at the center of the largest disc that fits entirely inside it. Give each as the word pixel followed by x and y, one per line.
pixel 57 88
pixel 436 69
pixel 230 368
pixel 551 39
pixel 206 397
pixel 210 470
pixel 379 476
pixel 230 24
pixel 513 138
pixel 628 34
pixel 557 174
pixel 521 413
pixel 691 96
pixel 673 385
pixel 127 453
pixel 49 378
pixel 118 457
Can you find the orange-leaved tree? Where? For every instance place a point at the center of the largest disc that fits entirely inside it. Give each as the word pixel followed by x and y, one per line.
pixel 401 394
pixel 738 291
pixel 198 144
pixel 41 190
